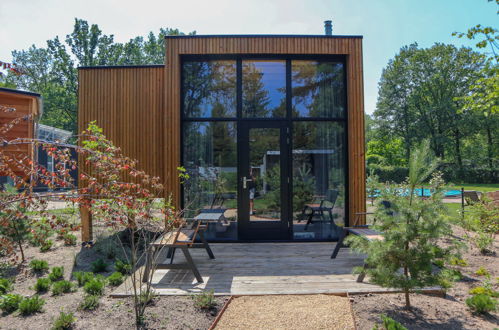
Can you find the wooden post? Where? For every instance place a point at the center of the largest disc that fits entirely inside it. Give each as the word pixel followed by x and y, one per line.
pixel 86 225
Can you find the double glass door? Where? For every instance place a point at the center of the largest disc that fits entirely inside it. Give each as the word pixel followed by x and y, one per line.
pixel 263 181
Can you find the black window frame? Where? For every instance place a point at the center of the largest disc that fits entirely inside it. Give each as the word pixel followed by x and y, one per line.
pixel 288 118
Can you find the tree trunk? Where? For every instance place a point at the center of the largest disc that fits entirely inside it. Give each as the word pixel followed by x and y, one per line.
pixel 406 290
pixel 489 147
pixel 457 140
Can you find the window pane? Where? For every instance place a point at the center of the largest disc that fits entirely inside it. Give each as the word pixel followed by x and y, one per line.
pixel 318 179
pixel 209 89
pixel 318 89
pixel 210 158
pixel 264 89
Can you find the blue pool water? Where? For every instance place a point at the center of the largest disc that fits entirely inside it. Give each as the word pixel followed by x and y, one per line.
pixel 427 192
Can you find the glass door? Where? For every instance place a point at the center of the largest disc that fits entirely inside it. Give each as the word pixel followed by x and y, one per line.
pixel 263 205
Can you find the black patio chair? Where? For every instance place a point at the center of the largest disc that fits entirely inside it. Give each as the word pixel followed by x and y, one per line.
pixel 326 205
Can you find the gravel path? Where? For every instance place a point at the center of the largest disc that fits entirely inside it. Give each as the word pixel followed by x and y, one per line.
pixel 287 312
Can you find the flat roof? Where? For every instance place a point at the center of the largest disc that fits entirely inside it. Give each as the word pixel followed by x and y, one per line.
pixel 267 36
pixel 17 91
pixel 139 66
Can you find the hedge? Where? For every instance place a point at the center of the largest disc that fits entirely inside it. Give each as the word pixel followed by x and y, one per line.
pixel 450 174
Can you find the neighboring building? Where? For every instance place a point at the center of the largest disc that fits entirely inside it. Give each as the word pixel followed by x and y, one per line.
pixel 285 111
pixel 21 104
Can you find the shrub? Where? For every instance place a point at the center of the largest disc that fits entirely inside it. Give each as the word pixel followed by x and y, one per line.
pixel 42 285
pixel 41 230
pixel 458 262
pixel 46 245
pixel 39 266
pixel 115 279
pixel 481 303
pixel 61 287
pixel 123 267
pixel 204 300
pixel 90 302
pixel 5 285
pixel 95 286
pixel 64 321
pixel 99 266
pixel 56 274
pixel 482 271
pixel 10 302
pixel 484 290
pixel 452 274
pixel 69 239
pixel 83 277
pixel 396 174
pixel 483 242
pixel 32 305
pixel 389 324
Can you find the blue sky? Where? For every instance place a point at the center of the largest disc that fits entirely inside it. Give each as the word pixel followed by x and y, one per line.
pixel 386 25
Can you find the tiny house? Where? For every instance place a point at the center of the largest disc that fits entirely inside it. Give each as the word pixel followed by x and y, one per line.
pixel 19 104
pixel 270 129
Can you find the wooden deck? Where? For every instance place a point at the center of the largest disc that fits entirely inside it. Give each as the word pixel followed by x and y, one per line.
pixel 264 268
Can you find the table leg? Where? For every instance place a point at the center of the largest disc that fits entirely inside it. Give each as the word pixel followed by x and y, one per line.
pixel 191 264
pixel 339 244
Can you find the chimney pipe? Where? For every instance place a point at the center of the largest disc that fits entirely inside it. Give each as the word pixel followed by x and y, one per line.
pixel 328 27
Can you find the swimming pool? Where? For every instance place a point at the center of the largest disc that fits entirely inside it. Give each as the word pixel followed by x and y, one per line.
pixel 425 192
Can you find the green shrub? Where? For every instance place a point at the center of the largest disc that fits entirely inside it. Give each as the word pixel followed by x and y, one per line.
pixel 115 279
pixel 204 300
pixel 481 303
pixel 484 290
pixel 90 302
pixel 95 286
pixel 484 242
pixel 61 287
pixel 56 274
pixel 458 262
pixel 482 271
pixel 64 321
pixel 452 274
pixel 389 324
pixel 146 297
pixel 42 285
pixel 39 266
pixel 69 239
pixel 32 305
pixel 123 267
pixel 99 266
pixel 10 302
pixel 46 245
pixel 5 285
pixel 83 277
pixel 41 230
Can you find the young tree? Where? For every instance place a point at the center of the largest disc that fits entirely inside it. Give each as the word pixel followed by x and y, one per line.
pixel 411 228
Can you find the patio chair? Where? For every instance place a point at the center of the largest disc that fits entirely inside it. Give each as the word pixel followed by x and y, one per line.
pixel 182 239
pixel 326 205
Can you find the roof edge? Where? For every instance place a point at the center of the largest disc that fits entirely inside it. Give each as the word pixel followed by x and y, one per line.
pixel 266 36
pixel 17 91
pixel 121 66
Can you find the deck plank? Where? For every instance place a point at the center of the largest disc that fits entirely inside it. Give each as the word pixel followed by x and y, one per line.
pixel 263 268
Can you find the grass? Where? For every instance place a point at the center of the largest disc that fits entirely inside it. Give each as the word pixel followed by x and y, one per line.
pixel 454 209
pixel 483 187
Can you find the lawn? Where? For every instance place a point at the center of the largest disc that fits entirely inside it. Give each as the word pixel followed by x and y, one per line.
pixel 483 187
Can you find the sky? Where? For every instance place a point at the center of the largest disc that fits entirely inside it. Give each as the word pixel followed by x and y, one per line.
pixel 386 25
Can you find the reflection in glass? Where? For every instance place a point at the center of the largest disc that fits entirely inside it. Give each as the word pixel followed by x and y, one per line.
pixel 210 159
pixel 264 89
pixel 209 89
pixel 318 179
pixel 318 89
pixel 265 172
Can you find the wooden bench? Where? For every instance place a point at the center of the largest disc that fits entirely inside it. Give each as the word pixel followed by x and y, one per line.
pixel 363 231
pixel 182 239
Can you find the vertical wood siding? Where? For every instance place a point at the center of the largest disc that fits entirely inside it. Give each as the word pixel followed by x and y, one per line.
pixel 128 104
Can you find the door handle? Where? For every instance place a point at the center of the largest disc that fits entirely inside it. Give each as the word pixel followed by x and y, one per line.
pixel 244 182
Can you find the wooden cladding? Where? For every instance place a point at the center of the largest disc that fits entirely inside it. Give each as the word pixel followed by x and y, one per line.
pixel 24 104
pixel 351 47
pixel 139 107
pixel 127 102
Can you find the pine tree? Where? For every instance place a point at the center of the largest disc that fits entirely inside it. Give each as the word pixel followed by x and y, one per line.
pixel 411 227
